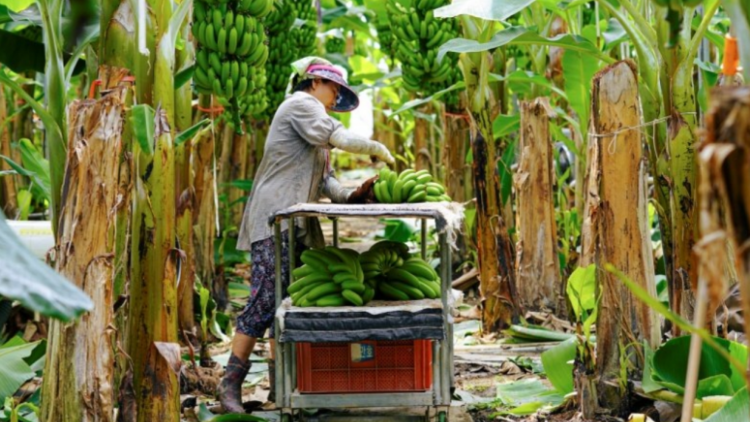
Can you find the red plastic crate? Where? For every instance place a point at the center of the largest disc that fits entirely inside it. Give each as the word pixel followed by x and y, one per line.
pixel 364 367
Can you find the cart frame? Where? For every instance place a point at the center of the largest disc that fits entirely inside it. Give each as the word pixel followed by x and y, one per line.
pixel 438 398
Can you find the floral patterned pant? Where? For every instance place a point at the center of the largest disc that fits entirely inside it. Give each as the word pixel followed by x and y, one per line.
pixel 258 314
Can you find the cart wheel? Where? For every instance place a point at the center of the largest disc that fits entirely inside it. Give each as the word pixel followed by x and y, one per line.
pixel 442 417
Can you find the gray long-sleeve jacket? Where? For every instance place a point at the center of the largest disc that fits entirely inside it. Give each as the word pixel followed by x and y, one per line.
pixel 293 170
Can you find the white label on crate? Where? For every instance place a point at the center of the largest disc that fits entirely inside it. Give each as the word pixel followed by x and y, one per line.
pixel 362 352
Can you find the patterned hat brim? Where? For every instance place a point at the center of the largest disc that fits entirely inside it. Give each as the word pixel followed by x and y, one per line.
pixel 347 99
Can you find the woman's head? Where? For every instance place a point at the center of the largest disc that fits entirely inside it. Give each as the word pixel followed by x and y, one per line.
pixel 325 91
pixel 328 84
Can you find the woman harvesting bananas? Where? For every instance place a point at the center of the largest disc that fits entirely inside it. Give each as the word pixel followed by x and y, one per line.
pixel 295 168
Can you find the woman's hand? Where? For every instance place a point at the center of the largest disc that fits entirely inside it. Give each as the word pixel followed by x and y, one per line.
pixel 364 194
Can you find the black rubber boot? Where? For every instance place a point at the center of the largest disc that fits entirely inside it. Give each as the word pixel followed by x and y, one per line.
pixel 230 388
pixel 272 381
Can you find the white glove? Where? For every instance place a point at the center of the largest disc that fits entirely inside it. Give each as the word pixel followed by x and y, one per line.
pixel 351 142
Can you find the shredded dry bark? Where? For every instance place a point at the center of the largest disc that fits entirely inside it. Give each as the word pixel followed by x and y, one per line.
pixel 726 161
pixel 537 262
pixel 80 354
pixel 616 228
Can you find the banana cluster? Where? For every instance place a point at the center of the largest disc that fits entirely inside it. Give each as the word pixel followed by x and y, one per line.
pixel 385 36
pixel 330 277
pixel 282 52
pixel 397 275
pixel 231 47
pixel 409 186
pixel 417 36
pixel 335 45
pixel 305 38
pixel 255 102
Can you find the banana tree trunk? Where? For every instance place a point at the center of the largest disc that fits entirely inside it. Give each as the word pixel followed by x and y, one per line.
pixel 683 165
pixel 496 264
pixel 8 202
pixel 153 293
pixel 204 217
pixel 116 53
pixel 152 340
pixel 728 160
pixel 237 171
pixel 496 259
pixel 117 44
pixel 623 236
pixel 79 369
pixel 204 213
pixel 421 138
pixel 538 277
pixel 185 192
pixel 457 137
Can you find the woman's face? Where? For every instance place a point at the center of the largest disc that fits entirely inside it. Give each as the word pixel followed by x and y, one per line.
pixel 326 92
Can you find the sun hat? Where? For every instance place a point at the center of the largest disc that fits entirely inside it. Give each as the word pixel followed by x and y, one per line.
pixel 317 68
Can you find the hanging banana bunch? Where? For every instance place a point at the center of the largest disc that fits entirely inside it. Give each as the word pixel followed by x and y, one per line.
pixel 335 45
pixel 385 36
pixel 232 50
pixel 285 44
pixel 282 52
pixel 305 34
pixel 256 101
pixel 417 37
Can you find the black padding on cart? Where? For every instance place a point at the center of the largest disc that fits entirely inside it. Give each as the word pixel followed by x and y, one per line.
pixel 356 326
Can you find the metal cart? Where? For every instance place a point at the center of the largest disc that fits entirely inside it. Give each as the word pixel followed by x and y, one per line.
pixel 436 401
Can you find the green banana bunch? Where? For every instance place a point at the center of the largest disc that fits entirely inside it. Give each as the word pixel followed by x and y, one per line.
pixel 283 50
pixel 330 277
pixel 305 38
pixel 385 36
pixel 417 37
pixel 335 45
pixel 388 267
pixel 231 50
pixel 255 103
pixel 409 186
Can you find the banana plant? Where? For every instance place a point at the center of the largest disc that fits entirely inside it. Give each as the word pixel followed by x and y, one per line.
pixel 670 110
pixel 154 259
pixel 483 32
pixel 57 74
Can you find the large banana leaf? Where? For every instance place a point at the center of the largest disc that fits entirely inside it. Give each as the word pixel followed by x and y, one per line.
pixel 517 35
pixel 38 287
pixel 493 10
pixel 716 376
pixel 23 53
pixel 14 370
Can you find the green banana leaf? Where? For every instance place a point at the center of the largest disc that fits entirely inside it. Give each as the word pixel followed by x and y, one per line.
pixel 493 10
pixel 517 35
pixel 14 370
pixel 556 362
pixel 534 334
pixel 581 290
pixel 35 285
pixel 526 397
pixel 578 73
pixel 716 376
